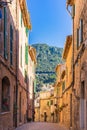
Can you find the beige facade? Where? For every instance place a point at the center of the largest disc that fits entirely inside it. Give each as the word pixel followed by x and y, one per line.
pixel 79 109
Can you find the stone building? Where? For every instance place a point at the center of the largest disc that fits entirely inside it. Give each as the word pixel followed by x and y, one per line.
pixel 46 109
pixel 63 86
pixel 79 43
pixel 13 64
pixel 58 91
pixel 8 61
pixel 37 107
pixel 67 92
pixel 32 81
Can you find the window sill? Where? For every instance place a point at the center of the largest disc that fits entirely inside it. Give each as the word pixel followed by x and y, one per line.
pixel 3 113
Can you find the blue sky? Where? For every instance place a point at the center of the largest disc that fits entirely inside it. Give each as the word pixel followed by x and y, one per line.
pixel 50 21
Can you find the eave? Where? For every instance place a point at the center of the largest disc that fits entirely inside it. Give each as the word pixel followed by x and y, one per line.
pixel 67 46
pixel 25 14
pixel 32 53
pixel 70 2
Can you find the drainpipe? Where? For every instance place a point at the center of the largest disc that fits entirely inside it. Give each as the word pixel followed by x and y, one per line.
pixel 17 42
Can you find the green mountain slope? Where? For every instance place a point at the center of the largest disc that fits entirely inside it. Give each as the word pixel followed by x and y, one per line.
pixel 47 59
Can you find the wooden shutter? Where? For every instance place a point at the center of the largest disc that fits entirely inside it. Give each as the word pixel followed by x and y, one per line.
pixel 5 31
pixel 11 45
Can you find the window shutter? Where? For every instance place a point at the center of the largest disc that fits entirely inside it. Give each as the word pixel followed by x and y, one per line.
pixel 5 31
pixel 11 45
pixel 77 38
pixel 63 85
pixel 26 54
pixel 21 20
pixel 81 31
pixel 26 30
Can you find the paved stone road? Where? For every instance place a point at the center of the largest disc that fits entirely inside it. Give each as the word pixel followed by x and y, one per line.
pixel 41 126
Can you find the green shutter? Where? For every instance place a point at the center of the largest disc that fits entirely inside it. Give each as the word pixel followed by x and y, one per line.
pixel 26 54
pixel 5 31
pixel 48 103
pixel 21 20
pixel 77 38
pixel 27 31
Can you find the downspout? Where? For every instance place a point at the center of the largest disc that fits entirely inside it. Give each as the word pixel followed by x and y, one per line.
pixel 17 42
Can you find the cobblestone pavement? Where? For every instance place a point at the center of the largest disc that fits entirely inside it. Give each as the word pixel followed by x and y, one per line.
pixel 41 126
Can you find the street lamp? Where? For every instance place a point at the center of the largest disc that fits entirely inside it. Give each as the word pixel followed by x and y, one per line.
pixel 4 3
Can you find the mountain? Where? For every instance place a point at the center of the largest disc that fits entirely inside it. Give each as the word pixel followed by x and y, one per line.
pixel 47 59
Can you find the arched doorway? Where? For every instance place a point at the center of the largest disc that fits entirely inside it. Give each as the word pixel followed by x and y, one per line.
pixel 5 94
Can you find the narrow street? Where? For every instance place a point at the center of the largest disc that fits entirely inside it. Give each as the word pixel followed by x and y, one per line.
pixel 41 126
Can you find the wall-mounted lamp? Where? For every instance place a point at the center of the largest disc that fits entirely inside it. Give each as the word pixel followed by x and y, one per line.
pixel 4 3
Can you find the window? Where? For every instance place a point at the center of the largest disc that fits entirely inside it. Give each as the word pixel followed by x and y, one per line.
pixel 11 45
pixel 63 85
pixel 5 33
pixel 51 102
pixel 81 31
pixel 26 78
pixel 80 34
pixel 77 38
pixel 5 94
pixel 67 73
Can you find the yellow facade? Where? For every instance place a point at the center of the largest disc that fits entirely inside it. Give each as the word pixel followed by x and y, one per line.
pixel 67 93
pixel 64 85
pixel 46 110
pixel 60 71
pixel 37 114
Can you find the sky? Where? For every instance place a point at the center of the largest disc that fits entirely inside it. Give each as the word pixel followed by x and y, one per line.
pixel 50 22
